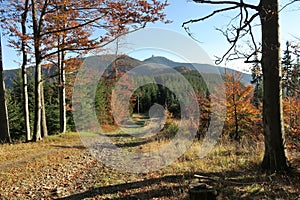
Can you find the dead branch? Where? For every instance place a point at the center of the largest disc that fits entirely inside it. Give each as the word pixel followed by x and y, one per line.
pixel 239 4
pixel 288 4
pixel 74 49
pixel 210 15
pixel 220 180
pixel 244 26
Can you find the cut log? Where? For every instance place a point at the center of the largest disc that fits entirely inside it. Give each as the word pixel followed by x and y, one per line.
pixel 202 191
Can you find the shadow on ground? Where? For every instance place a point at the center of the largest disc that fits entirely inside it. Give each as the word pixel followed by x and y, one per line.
pixel 246 184
pixel 126 187
pixel 69 147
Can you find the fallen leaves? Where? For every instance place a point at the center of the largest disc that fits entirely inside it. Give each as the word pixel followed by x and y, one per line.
pixel 61 167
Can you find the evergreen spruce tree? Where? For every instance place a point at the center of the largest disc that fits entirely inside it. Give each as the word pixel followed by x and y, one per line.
pixel 287 68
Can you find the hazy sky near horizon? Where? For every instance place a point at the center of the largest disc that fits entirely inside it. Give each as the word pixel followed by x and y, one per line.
pixel 211 40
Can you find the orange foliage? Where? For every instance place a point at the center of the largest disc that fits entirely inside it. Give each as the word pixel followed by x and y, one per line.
pixel 121 99
pixel 83 24
pixel 205 110
pixel 242 117
pixel 291 115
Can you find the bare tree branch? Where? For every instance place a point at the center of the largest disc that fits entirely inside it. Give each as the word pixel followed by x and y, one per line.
pixel 95 47
pixel 244 25
pixel 237 37
pixel 288 4
pixel 237 3
pixel 210 15
pixel 74 27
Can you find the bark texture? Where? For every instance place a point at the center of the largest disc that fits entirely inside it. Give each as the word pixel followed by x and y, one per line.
pixel 4 126
pixel 37 135
pixel 24 74
pixel 62 91
pixel 44 118
pixel 274 158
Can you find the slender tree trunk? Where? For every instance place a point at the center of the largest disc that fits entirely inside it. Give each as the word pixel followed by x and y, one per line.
pixel 44 118
pixel 236 122
pixel 62 77
pixel 62 89
pixel 24 75
pixel 4 125
pixel 236 136
pixel 138 102
pixel 38 104
pixel 38 75
pixel 274 158
pixel 25 102
pixel 62 94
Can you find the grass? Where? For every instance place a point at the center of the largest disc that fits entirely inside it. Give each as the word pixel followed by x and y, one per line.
pixel 59 166
pixel 11 153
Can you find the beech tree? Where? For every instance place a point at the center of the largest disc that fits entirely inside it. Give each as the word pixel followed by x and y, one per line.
pixel 4 125
pixel 72 23
pixel 24 70
pixel 116 22
pixel 268 13
pixel 13 29
pixel 27 14
pixel 242 117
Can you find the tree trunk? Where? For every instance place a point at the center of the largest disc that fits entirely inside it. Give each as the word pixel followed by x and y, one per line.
pixel 24 75
pixel 236 122
pixel 4 125
pixel 62 94
pixel 62 77
pixel 25 102
pixel 38 75
pixel 38 104
pixel 274 158
pixel 44 118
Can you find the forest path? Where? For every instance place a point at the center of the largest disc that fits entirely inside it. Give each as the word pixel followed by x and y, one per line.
pixel 60 167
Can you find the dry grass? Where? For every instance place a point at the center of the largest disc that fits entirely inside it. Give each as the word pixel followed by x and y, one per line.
pixel 60 167
pixel 16 152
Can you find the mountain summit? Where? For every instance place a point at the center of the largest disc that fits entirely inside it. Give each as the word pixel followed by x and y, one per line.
pixel 126 63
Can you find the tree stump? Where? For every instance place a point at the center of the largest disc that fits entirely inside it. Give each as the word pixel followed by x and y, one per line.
pixel 202 191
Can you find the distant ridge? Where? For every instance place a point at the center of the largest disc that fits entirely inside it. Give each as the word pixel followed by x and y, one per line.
pixel 126 63
pixel 205 68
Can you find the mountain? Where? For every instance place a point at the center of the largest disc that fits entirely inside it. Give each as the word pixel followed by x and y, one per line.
pixel 9 76
pixel 126 63
pixel 204 68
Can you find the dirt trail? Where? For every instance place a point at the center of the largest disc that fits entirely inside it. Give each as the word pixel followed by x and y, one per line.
pixel 60 167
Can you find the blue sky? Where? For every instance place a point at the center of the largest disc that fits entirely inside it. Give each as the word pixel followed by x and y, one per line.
pixel 211 41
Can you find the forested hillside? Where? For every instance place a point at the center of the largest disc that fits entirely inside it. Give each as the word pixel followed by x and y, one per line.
pixel 146 95
pixel 49 71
